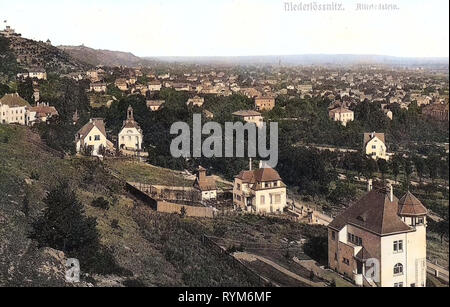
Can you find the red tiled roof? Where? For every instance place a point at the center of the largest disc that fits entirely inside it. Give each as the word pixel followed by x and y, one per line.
pixel 409 205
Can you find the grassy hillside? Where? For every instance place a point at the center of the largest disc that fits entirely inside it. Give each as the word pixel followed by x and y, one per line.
pixel 151 249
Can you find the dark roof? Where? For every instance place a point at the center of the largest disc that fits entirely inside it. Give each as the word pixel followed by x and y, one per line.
pixel 409 205
pixel 374 212
pixel 259 175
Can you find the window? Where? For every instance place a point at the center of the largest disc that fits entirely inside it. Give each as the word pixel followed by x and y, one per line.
pixel 333 235
pixel 346 261
pixel 238 187
pixel 398 285
pixel 277 199
pixel 97 137
pixel 398 269
pixel 263 200
pixel 335 257
pixel 398 246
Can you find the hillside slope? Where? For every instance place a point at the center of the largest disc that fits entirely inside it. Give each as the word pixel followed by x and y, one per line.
pixel 96 57
pixel 30 53
pixel 150 248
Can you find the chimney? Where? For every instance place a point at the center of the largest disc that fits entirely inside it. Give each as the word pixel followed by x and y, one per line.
pixel 201 174
pixel 369 185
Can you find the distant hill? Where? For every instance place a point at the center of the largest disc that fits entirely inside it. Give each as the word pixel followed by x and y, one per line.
pixel 312 59
pixel 103 57
pixel 30 53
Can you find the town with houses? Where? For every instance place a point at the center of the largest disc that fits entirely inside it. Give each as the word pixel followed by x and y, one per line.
pixel 359 197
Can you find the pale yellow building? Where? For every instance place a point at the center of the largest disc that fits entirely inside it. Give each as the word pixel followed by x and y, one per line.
pixel 13 109
pixel 264 103
pixel 342 115
pixel 91 138
pixel 375 146
pixel 259 191
pixel 382 230
pixel 250 116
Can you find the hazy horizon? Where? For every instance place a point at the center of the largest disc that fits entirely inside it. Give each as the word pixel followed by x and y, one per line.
pixel 231 28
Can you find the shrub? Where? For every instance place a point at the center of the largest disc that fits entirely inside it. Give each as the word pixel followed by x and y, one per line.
pixel 101 203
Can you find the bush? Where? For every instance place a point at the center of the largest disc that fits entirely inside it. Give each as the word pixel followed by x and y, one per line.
pixel 101 203
pixel 34 176
pixel 115 224
pixel 63 225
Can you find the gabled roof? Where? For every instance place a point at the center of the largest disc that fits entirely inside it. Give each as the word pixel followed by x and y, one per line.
pixel 370 136
pixel 14 100
pixel 259 175
pixel 409 205
pixel 374 212
pixel 94 122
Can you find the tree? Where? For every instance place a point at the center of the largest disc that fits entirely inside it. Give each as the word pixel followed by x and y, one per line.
pixel 25 90
pixel 420 167
pixel 407 164
pixel 383 166
pixel 63 225
pixel 396 162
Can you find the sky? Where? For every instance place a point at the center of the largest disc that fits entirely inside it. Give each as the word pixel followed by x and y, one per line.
pixel 418 28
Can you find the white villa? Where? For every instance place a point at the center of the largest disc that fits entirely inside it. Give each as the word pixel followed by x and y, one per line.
pixel 259 191
pixel 342 115
pixel 13 109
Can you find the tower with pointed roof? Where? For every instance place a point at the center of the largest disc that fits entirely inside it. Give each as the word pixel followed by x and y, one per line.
pixel 379 226
pixel 130 136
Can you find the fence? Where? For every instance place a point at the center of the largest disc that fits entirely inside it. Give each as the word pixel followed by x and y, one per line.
pixel 218 250
pixel 166 207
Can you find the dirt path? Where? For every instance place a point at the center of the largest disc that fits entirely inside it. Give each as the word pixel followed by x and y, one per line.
pixel 251 257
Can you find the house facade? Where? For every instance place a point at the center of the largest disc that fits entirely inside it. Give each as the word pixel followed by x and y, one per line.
pixel 259 191
pixel 130 136
pixel 98 87
pixel 196 101
pixel 250 116
pixel 375 146
pixel 206 185
pixel 40 113
pixel 382 230
pixel 13 109
pixel 342 115
pixel 91 138
pixel 264 103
